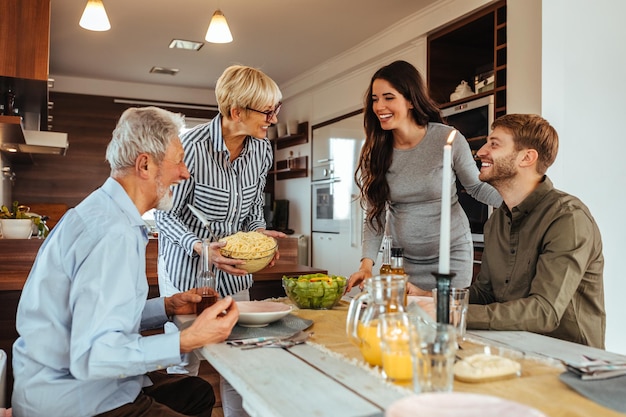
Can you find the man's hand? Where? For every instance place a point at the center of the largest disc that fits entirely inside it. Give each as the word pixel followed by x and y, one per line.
pixel 182 303
pixel 213 325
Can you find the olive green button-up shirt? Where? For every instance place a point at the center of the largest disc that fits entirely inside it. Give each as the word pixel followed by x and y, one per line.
pixel 542 270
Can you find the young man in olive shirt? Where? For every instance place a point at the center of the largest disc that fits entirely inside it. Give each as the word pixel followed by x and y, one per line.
pixel 542 264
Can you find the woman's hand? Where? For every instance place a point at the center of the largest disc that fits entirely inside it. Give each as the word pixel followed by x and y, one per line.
pixel 365 271
pixel 228 265
pixel 412 289
pixel 275 234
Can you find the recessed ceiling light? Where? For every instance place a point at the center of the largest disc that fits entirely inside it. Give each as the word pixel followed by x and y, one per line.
pixel 161 70
pixel 188 45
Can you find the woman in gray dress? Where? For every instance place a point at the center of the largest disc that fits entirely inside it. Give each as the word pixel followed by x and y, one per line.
pixel 400 174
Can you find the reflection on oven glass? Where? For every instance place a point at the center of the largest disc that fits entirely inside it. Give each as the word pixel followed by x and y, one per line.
pixel 324 204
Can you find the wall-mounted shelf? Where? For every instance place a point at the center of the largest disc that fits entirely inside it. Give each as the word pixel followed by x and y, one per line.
pixel 297 167
pixel 292 140
pixel 470 50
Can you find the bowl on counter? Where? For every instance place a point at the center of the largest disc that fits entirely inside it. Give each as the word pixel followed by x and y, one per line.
pixel 315 291
pixel 16 228
pixel 247 248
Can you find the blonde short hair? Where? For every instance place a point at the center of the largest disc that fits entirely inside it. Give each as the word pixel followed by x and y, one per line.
pixel 240 87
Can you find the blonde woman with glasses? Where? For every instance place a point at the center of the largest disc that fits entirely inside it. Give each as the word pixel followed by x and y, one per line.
pixel 228 160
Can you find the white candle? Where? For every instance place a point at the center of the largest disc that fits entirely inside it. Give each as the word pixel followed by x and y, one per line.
pixel 444 233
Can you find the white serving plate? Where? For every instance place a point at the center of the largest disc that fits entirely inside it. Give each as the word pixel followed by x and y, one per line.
pixel 261 313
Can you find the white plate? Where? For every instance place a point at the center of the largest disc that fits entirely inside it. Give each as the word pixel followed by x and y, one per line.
pixel 457 404
pixel 261 313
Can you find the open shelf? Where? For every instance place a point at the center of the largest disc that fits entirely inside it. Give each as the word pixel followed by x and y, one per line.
pixel 470 50
pixel 297 167
pixel 292 140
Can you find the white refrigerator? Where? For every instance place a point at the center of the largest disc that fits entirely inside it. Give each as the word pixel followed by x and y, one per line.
pixel 337 217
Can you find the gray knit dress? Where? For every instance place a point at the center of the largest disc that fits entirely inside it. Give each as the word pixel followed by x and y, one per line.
pixel 414 179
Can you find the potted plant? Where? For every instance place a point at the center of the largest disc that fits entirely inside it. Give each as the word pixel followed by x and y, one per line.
pixel 17 222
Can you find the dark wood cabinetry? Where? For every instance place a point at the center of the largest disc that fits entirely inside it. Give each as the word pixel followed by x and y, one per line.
pixel 472 47
pixel 293 167
pixel 24 38
pixel 25 43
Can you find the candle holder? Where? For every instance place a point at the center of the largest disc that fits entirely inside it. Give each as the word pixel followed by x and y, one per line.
pixel 443 296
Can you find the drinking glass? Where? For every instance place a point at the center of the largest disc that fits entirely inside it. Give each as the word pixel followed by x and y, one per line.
pixel 396 354
pixel 433 349
pixel 459 302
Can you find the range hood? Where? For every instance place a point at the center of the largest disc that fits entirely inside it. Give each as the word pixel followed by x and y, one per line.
pixel 51 143
pixel 15 140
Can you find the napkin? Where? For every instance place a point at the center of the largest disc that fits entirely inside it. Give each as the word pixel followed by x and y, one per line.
pixel 606 392
pixel 590 369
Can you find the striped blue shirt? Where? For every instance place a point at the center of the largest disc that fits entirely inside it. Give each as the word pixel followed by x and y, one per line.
pixel 230 194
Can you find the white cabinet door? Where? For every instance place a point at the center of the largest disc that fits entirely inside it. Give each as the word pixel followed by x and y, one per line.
pixel 335 253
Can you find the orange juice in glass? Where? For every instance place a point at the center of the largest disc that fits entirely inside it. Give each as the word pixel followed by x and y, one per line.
pixel 370 342
pixel 383 294
pixel 396 353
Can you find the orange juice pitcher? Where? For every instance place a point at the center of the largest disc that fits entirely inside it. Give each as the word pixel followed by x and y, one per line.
pixel 383 294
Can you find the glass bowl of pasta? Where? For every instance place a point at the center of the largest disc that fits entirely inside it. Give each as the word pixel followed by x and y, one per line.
pixel 255 248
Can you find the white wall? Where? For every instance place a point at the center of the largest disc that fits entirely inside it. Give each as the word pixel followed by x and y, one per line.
pixel 584 64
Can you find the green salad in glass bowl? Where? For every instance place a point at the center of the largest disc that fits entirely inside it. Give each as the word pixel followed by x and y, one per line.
pixel 315 291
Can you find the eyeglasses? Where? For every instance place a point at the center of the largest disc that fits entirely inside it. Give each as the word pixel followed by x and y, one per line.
pixel 269 114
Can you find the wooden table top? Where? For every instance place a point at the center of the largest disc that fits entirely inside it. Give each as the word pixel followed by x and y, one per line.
pixel 335 375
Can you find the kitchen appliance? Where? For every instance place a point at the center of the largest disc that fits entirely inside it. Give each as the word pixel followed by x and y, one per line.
pixel 473 119
pixel 337 217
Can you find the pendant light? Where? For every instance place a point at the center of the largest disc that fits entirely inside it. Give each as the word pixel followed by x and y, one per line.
pixel 95 17
pixel 218 29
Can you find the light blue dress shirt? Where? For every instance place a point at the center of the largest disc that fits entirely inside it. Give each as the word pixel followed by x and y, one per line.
pixel 80 352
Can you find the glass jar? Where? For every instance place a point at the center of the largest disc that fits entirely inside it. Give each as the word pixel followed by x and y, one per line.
pixel 383 294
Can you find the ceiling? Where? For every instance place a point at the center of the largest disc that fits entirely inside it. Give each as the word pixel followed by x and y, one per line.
pixel 282 37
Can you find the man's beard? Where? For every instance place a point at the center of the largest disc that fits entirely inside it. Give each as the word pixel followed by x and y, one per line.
pixel 166 201
pixel 502 170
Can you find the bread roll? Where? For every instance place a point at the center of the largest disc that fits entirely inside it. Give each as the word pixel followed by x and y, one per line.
pixel 483 368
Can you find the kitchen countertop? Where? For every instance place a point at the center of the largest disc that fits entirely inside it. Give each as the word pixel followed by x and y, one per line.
pixel 17 257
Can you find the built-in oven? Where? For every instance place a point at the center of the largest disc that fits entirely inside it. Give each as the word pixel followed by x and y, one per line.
pixel 324 184
pixel 473 119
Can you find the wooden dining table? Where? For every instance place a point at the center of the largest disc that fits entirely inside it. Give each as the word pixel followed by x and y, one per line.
pixel 327 376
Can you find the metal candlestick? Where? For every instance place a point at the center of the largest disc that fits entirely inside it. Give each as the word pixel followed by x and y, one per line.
pixel 443 296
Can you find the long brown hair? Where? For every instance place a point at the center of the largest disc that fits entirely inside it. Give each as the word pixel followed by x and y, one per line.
pixel 376 155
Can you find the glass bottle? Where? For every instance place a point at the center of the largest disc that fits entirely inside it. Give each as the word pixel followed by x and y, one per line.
pixel 397 261
pixel 397 268
pixel 205 281
pixel 385 267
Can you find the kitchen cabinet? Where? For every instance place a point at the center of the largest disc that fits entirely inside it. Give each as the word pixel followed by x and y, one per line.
pixel 25 39
pixel 474 47
pixel 292 167
pixel 25 42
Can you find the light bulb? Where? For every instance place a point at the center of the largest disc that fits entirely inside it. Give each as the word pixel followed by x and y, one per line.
pixel 218 29
pixel 95 17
